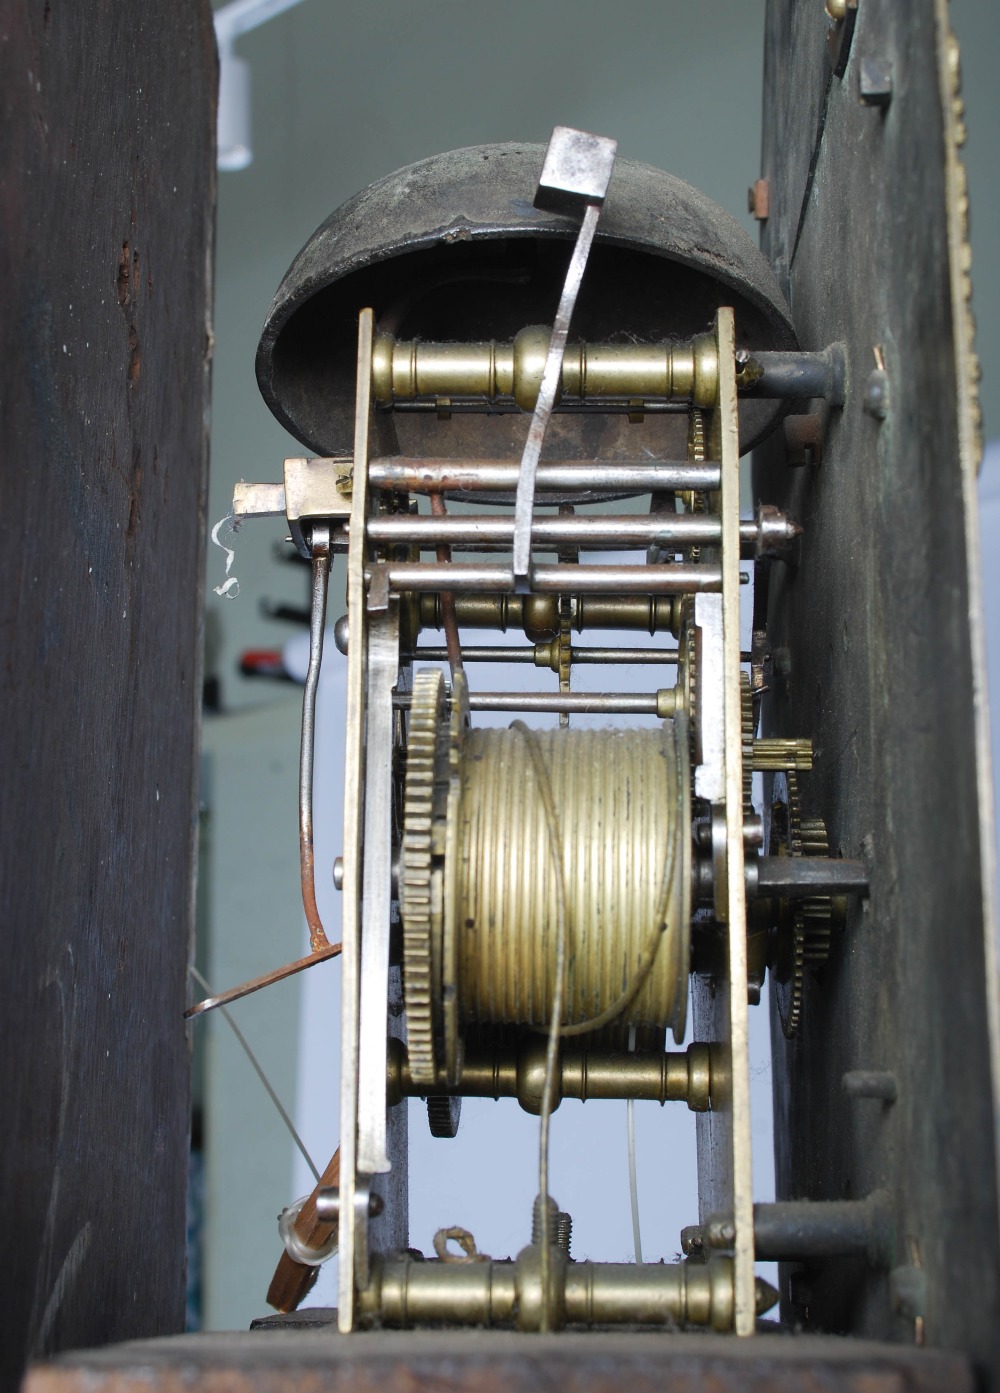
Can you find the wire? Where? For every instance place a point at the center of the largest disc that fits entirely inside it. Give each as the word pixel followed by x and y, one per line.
pixel 448 611
pixel 633 1187
pixel 260 1074
pixel 556 1027
pixel 552 1048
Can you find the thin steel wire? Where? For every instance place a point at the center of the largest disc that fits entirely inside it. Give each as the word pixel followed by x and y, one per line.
pixel 555 1023
pixel 453 640
pixel 633 1185
pixel 258 1070
pixel 552 1047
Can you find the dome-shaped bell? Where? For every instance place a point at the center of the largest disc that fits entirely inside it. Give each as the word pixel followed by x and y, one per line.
pixel 452 249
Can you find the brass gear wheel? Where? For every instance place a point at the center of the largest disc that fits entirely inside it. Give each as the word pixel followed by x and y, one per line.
pixel 687 676
pixel 747 734
pixel 444 1112
pixel 419 902
pixel 817 913
pixel 810 920
pixel 565 642
pixel 694 501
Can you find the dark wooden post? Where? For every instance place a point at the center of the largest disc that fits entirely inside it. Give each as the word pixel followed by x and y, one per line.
pixel 106 219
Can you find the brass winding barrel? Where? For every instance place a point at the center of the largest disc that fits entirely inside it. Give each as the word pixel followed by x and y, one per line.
pixel 621 799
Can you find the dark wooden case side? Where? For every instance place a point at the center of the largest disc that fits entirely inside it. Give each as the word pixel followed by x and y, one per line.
pixel 107 195
pixel 880 666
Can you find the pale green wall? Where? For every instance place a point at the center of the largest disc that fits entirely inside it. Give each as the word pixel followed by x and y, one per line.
pixel 344 93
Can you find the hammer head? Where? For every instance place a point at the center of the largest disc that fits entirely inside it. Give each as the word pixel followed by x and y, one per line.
pixel 576 171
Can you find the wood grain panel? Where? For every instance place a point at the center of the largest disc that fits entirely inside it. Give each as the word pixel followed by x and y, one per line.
pixel 106 218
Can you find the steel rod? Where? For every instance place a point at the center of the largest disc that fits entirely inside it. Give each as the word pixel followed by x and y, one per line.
pixel 639 530
pixel 797 376
pixel 800 1230
pixel 795 1230
pixel 576 703
pixel 770 535
pixel 461 476
pixel 635 530
pixel 501 653
pixel 614 580
pixel 452 640
pixel 498 654
pixel 803 877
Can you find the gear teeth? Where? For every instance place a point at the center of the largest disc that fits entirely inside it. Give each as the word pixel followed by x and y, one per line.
pixel 687 679
pixel 695 501
pixel 817 913
pixel 794 814
pixel 792 1018
pixel 443 1113
pixel 565 650
pixel 812 920
pixel 416 893
pixel 815 842
pixel 747 734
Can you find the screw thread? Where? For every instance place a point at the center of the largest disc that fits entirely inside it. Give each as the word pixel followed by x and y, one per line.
pixel 560 1225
